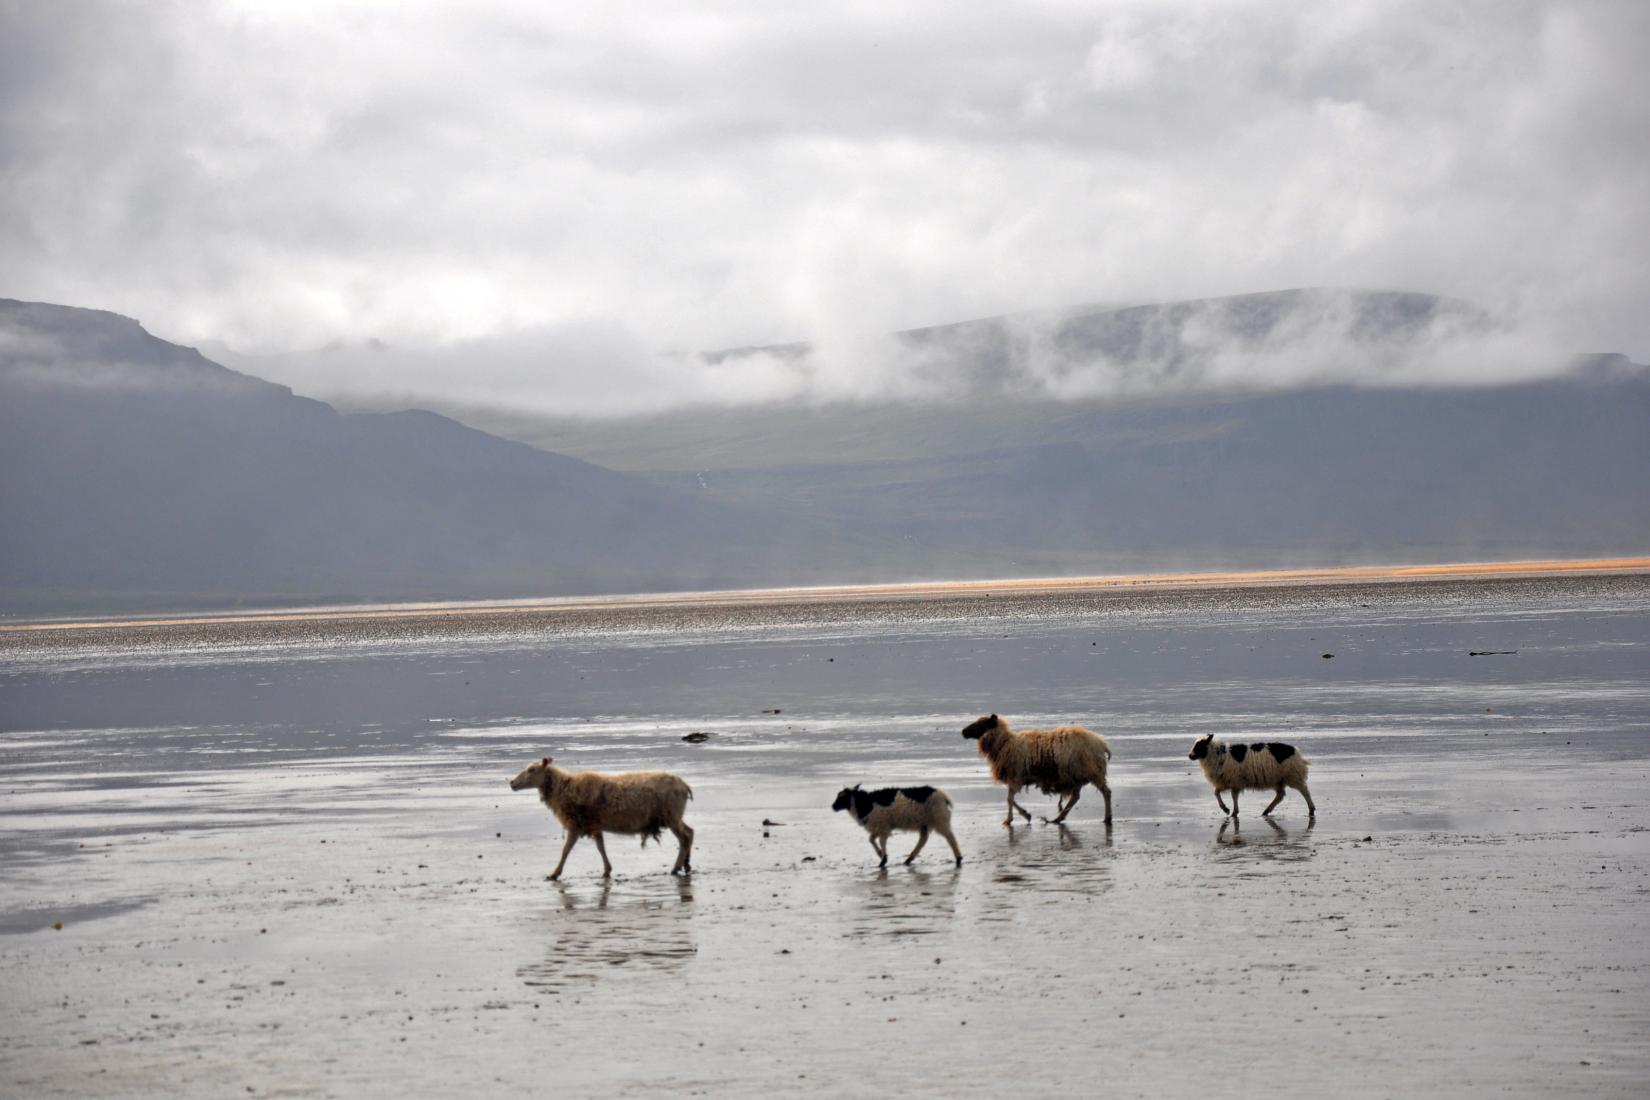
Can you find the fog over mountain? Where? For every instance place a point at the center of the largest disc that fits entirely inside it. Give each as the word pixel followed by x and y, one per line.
pixel 135 472
pixel 1251 342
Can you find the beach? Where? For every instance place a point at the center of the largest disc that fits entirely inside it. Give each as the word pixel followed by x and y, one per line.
pixel 285 860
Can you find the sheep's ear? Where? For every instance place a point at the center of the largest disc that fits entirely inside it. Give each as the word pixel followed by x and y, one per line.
pixel 994 718
pixel 545 762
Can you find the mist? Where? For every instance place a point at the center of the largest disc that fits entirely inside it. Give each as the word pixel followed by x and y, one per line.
pixel 511 204
pixel 1244 344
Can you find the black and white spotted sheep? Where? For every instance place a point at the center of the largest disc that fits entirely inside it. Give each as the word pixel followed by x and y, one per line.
pixel 1261 765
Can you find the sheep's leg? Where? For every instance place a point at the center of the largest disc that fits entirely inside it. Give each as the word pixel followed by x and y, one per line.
pixel 1273 804
pixel 1105 791
pixel 607 868
pixel 922 838
pixel 882 853
pixel 684 847
pixel 1067 807
pixel 572 839
pixel 1234 803
pixel 1222 801
pixel 1311 810
pixel 956 851
pixel 1013 805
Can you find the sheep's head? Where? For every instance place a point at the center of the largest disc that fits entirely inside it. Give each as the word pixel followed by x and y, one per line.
pixel 980 727
pixel 845 798
pixel 1200 747
pixel 531 776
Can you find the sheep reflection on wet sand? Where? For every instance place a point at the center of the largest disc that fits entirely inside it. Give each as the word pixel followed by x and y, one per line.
pixel 630 938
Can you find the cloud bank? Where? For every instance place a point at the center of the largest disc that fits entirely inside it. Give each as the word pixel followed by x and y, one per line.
pixel 552 204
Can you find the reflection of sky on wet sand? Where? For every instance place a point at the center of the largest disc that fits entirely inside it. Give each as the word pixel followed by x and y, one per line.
pixel 311 851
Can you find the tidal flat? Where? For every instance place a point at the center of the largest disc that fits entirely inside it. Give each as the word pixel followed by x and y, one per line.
pixel 280 858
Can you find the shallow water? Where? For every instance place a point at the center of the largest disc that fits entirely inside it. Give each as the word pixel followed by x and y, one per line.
pixel 285 859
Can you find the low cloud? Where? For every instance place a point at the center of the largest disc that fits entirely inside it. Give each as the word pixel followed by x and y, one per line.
pixel 1247 343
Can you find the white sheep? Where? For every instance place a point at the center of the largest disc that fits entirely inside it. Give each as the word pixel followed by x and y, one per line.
pixel 591 803
pixel 1058 761
pixel 1261 765
pixel 908 809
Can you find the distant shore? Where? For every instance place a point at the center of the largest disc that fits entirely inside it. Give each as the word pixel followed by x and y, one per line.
pixel 915 590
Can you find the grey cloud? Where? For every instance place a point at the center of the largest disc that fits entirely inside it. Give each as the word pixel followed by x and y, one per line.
pixel 531 203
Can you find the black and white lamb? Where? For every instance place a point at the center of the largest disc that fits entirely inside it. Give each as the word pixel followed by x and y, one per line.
pixel 919 810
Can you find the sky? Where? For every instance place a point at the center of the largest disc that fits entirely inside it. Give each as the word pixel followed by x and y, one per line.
pixel 550 203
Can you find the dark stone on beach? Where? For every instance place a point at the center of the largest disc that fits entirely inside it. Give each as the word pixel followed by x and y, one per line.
pixel 1327 656
pixel 696 737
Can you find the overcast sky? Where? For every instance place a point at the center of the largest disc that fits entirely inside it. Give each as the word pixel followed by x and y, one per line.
pixel 581 186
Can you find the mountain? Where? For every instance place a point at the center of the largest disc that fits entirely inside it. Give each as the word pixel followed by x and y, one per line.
pixel 1325 476
pixel 134 472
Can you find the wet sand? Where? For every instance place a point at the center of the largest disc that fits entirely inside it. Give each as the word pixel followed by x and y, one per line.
pixel 287 863
pixel 868 593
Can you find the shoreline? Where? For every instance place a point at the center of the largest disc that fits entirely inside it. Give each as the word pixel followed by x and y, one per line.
pixel 869 593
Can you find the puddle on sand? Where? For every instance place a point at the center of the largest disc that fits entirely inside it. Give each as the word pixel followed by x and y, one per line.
pixel 38 918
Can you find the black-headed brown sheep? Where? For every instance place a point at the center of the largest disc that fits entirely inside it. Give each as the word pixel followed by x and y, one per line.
pixel 1056 761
